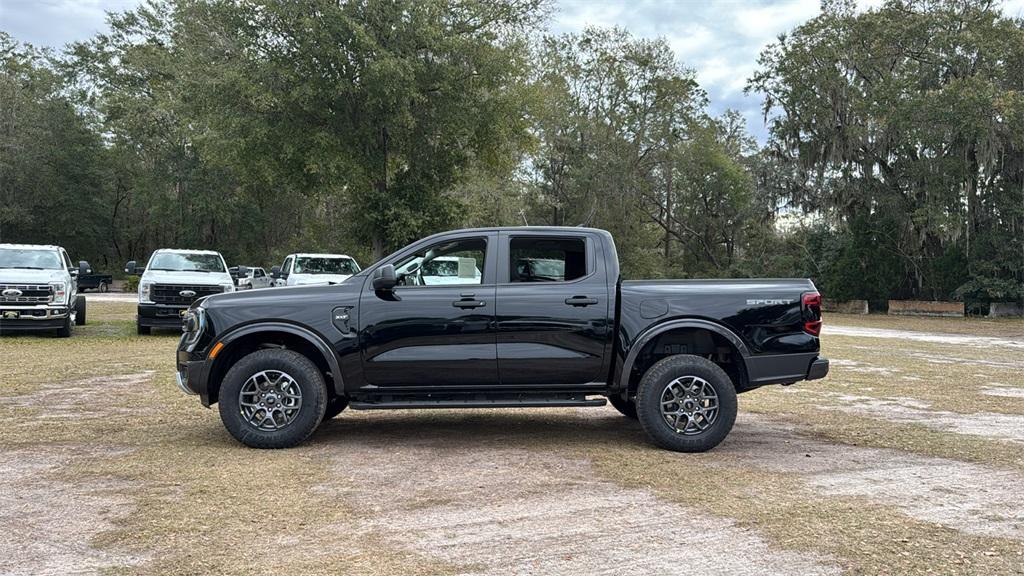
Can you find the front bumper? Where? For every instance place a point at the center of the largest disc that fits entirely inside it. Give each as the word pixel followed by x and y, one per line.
pixel 32 318
pixel 161 315
pixel 192 375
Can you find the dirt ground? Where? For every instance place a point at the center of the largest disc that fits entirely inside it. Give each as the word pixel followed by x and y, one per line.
pixel 907 459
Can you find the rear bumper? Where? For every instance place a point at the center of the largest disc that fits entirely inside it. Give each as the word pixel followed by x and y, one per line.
pixel 161 315
pixel 818 369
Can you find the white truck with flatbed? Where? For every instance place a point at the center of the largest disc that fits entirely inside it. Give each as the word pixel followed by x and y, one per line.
pixel 39 290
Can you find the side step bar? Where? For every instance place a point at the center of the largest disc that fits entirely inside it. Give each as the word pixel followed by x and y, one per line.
pixel 411 403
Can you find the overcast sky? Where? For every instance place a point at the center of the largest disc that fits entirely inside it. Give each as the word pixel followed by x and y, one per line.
pixel 719 40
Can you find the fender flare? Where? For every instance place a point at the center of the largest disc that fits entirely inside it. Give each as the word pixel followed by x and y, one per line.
pixel 653 332
pixel 306 334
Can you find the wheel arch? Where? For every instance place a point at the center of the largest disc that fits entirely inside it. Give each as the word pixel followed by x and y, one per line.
pixel 251 337
pixel 640 355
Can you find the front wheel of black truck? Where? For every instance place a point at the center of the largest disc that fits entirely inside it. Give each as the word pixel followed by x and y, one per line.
pixel 686 404
pixel 272 398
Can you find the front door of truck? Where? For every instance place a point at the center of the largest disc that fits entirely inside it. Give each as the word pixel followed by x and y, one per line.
pixel 553 310
pixel 436 328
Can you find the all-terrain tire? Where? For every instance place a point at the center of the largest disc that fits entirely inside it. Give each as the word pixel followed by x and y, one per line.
pixel 626 407
pixel 655 384
pixel 306 376
pixel 143 330
pixel 335 405
pixel 80 311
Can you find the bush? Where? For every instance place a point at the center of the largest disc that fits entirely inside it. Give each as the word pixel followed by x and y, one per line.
pixel 131 284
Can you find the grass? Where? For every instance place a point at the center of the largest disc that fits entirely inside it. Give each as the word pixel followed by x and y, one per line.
pixel 994 327
pixel 201 503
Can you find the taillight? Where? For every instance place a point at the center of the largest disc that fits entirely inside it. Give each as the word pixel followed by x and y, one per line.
pixel 811 302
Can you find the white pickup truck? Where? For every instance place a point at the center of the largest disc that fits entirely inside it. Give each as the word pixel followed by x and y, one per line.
pixel 172 280
pixel 303 269
pixel 39 289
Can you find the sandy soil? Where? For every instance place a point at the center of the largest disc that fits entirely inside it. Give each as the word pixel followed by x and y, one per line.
pixel 912 411
pixel 83 398
pixel 47 522
pixel 499 510
pixel 972 498
pixel 960 339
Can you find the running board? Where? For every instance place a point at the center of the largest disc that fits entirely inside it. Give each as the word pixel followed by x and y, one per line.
pixel 413 403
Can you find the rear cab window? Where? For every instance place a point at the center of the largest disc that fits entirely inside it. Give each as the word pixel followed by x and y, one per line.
pixel 547 259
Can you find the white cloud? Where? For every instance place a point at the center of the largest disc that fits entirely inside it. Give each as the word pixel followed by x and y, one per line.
pixel 57 22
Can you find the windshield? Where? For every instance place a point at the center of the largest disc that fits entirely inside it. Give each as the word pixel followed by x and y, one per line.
pixel 178 262
pixel 319 265
pixel 29 258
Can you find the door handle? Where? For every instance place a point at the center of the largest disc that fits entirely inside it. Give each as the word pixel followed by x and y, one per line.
pixel 468 303
pixel 580 301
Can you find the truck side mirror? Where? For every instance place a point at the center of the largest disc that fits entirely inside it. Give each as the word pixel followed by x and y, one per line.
pixel 275 272
pixel 84 268
pixel 242 272
pixel 131 269
pixel 384 278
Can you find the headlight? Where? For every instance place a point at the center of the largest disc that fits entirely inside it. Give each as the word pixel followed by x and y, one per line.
pixel 60 292
pixel 144 289
pixel 193 324
pixel 227 287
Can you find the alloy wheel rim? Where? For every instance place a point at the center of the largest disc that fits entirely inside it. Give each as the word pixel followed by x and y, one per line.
pixel 689 405
pixel 270 400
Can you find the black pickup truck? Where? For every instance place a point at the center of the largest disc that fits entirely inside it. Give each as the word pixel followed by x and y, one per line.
pixel 525 317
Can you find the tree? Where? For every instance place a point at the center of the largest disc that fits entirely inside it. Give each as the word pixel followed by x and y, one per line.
pixel 902 125
pixel 51 162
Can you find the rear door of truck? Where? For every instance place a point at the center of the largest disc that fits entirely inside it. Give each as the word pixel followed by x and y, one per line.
pixel 553 308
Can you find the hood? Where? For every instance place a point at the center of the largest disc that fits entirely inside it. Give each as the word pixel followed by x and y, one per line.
pixel 23 276
pixel 301 279
pixel 289 303
pixel 197 278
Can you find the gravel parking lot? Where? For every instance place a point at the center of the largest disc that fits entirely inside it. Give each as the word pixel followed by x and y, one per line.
pixel 907 459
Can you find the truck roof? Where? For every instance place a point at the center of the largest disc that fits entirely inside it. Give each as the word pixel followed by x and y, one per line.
pixel 316 255
pixel 533 229
pixel 31 246
pixel 186 251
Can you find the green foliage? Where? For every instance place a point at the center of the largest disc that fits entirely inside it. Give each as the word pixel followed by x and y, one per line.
pixel 131 284
pixel 902 125
pixel 895 166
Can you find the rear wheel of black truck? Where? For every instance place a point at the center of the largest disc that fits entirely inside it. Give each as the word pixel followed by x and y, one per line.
pixel 272 398
pixel 686 404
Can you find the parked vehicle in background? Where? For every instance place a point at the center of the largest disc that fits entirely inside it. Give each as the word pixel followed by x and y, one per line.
pixel 302 269
pixel 549 322
pixel 98 282
pixel 247 278
pixel 172 281
pixel 39 290
pixel 439 270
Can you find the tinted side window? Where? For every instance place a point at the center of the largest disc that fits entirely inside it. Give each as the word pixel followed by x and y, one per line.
pixel 547 259
pixel 259 273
